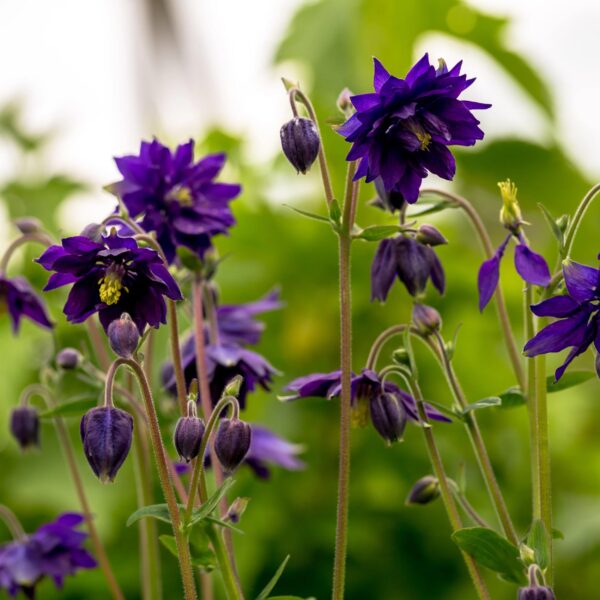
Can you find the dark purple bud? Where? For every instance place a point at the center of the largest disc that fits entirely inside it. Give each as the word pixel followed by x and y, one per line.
pixel 426 319
pixel 232 443
pixel 106 433
pixel 300 143
pixel 415 264
pixel 388 417
pixel 426 490
pixel 25 426
pixel 188 437
pixel 29 225
pixel 430 235
pixel 391 201
pixel 123 336
pixel 68 358
pixel 536 593
pixel 93 231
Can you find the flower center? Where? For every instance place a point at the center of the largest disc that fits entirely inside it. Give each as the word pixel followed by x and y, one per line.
pixel 111 285
pixel 180 194
pixel 419 132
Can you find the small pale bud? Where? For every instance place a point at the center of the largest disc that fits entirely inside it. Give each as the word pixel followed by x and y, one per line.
pixel 68 358
pixel 388 417
pixel 232 443
pixel 234 386
pixel 189 432
pixel 424 491
pixel 563 222
pixel 29 225
pixel 300 143
pixel 426 319
pixel 123 336
pixel 430 235
pixel 25 426
pixel 344 103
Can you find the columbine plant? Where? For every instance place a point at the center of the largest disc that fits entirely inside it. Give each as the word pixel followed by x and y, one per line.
pixel 400 132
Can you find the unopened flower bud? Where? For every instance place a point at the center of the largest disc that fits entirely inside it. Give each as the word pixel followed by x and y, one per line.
pixel 188 437
pixel 29 225
pixel 563 222
pixel 527 554
pixel 68 358
pixel 25 426
pixel 424 491
pixel 300 143
pixel 401 357
pixel 93 231
pixel 388 417
pixel 123 336
pixel 390 201
pixel 426 319
pixel 236 510
pixel 510 214
pixel 106 433
pixel 234 386
pixel 536 593
pixel 430 235
pixel 232 443
pixel 344 103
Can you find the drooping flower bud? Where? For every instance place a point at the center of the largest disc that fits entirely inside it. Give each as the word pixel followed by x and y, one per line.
pixel 232 442
pixel 93 231
pixel 391 201
pixel 401 357
pixel 344 103
pixel 300 143
pixel 68 358
pixel 106 433
pixel 234 386
pixel 25 426
pixel 123 336
pixel 388 417
pixel 426 319
pixel 562 223
pixel 424 491
pixel 188 436
pixel 535 590
pixel 29 225
pixel 430 235
pixel 510 214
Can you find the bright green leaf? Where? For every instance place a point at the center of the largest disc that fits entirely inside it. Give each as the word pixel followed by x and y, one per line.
pixel 335 212
pixel 538 540
pixel 269 587
pixel 512 398
pixel 483 403
pixel 374 233
pixel 568 380
pixel 306 213
pixel 206 509
pixel 154 511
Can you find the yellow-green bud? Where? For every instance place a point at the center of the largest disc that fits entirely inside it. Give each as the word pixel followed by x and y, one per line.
pixel 510 214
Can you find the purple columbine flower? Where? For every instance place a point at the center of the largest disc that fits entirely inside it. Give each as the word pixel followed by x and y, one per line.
pixel 176 197
pixel 55 550
pixel 224 362
pixel 578 315
pixel 413 263
pixel 402 130
pixel 364 386
pixel 111 278
pixel 18 297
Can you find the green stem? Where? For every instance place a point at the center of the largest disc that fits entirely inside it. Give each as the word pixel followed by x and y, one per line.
pixel 578 217
pixel 488 250
pixel 467 506
pixel 229 579
pixel 39 238
pixel 446 493
pixel 161 459
pixel 345 243
pixel 176 356
pixel 12 523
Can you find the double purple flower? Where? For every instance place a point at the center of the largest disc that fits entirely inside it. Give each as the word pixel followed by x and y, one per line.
pixel 18 297
pixel 55 550
pixel 401 131
pixel 176 197
pixel 578 314
pixel 110 277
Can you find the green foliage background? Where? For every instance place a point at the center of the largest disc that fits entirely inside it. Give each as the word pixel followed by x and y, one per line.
pixel 395 552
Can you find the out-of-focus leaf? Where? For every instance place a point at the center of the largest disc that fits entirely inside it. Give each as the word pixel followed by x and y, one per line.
pixel 512 398
pixel 375 233
pixel 203 558
pixel 483 403
pixel 568 380
pixel 154 511
pixel 269 587
pixel 73 408
pixel 306 213
pixel 537 539
pixel 553 225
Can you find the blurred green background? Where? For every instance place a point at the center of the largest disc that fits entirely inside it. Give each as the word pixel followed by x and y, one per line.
pixel 395 552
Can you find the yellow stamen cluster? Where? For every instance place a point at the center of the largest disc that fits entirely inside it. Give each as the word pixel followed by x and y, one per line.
pixel 359 413
pixel 510 214
pixel 181 194
pixel 110 288
pixel 424 138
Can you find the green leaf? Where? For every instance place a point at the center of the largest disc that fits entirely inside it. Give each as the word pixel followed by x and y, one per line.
pixel 154 511
pixel 512 398
pixel 335 212
pixel 374 233
pixel 538 540
pixel 431 207
pixel 73 408
pixel 568 380
pixel 269 587
pixel 492 551
pixel 557 534
pixel 554 228
pixel 306 213
pixel 204 511
pixel 203 557
pixel 483 403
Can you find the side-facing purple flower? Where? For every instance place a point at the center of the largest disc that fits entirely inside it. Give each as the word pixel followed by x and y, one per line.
pixel 176 197
pixel 111 278
pixel 413 263
pixel 55 550
pixel 19 299
pixel 401 131
pixel 364 386
pixel 577 314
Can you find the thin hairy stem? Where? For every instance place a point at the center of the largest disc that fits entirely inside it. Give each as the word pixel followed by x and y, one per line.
pixel 578 218
pixel 38 238
pixel 12 523
pixel 467 506
pixel 488 250
pixel 98 344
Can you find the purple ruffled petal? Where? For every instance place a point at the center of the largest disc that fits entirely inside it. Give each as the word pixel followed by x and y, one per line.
pixel 531 266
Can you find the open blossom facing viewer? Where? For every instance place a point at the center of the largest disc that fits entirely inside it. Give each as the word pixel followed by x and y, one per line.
pixel 176 197
pixel 402 130
pixel 110 278
pixel 578 315
pixel 19 299
pixel 55 550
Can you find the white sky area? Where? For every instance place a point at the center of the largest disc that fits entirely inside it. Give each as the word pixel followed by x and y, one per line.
pixel 85 68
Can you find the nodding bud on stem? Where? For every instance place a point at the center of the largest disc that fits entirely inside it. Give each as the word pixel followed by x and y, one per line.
pixel 106 433
pixel 426 319
pixel 29 225
pixel 68 358
pixel 344 103
pixel 535 591
pixel 510 213
pixel 188 435
pixel 424 491
pixel 234 386
pixel 232 443
pixel 123 336
pixel 300 143
pixel 430 235
pixel 388 417
pixel 25 426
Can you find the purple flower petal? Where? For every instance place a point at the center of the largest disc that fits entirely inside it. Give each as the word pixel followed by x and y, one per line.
pixel 531 266
pixel 559 335
pixel 557 306
pixel 581 280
